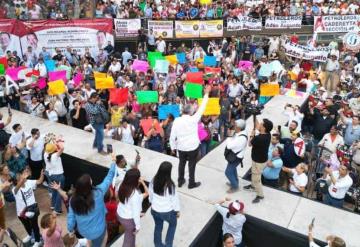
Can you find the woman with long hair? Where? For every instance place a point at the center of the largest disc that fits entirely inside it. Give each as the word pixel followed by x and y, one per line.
pixel 87 208
pixel 233 219
pixel 228 240
pixel 130 205
pixel 165 204
pixel 55 172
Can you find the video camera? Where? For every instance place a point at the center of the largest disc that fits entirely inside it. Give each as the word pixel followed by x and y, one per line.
pixel 251 109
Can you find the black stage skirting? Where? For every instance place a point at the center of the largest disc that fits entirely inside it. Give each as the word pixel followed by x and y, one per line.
pixel 256 233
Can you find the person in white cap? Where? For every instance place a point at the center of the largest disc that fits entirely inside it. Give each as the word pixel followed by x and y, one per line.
pixel 234 154
pixel 233 219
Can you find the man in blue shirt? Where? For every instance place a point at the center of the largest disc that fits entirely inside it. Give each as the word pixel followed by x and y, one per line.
pixel 126 56
pixel 270 175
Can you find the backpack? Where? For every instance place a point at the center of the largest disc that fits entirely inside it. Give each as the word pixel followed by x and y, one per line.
pixel 4 138
pixel 230 156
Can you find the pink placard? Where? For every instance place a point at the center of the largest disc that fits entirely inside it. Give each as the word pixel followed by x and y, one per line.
pixel 140 65
pixel 77 79
pixel 245 65
pixel 202 132
pixel 57 75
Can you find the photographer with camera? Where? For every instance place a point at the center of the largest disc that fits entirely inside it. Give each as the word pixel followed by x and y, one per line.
pixel 259 154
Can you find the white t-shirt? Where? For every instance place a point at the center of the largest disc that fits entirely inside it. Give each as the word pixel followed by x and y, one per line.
pixel 54 166
pixel 16 138
pixel 132 208
pixel 300 180
pixel 52 116
pixel 341 186
pixel 36 151
pixel 127 135
pixel 28 191
pixel 161 46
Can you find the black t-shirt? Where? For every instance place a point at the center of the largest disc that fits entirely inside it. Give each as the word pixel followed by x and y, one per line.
pixel 260 146
pixel 81 122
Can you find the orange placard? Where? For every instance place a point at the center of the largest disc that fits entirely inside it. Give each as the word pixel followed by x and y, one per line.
pixel 104 83
pixel 269 89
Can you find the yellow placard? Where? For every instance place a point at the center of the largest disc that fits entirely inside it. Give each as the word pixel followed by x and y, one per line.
pixel 205 2
pixel 99 75
pixel 104 83
pixel 269 89
pixel 172 59
pixel 212 106
pixel 56 87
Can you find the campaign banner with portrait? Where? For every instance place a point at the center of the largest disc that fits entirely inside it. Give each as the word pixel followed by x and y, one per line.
pixel 187 29
pixel 127 27
pixel 164 29
pixel 281 22
pixel 243 23
pixel 336 23
pixel 213 28
pixel 319 54
pixel 77 34
pixel 10 31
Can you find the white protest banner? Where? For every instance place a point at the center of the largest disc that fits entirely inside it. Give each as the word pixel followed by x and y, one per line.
pixel 243 23
pixel 163 28
pixel 187 29
pixel 127 27
pixel 336 23
pixel 273 22
pixel 213 28
pixel 304 52
pixel 251 3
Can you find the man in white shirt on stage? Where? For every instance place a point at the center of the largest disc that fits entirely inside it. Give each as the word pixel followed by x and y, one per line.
pixel 237 145
pixel 185 139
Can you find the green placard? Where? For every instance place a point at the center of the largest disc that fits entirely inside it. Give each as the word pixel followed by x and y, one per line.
pixel 144 97
pixel 193 90
pixel 2 69
pixel 153 56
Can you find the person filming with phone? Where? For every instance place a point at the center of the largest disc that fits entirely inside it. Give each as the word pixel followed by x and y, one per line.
pixel 332 240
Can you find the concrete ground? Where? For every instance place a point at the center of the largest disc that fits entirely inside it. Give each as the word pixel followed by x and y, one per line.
pixel 278 207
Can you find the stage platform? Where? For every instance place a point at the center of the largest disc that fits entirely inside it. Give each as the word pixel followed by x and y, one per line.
pixel 280 208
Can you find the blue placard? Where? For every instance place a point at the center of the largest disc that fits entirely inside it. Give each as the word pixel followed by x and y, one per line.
pixel 165 110
pixel 210 61
pixel 50 65
pixel 181 57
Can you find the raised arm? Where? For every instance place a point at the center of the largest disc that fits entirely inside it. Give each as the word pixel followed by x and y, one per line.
pixel 201 109
pixel 104 186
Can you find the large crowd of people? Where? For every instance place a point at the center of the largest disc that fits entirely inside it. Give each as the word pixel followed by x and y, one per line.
pixel 180 10
pixel 329 122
